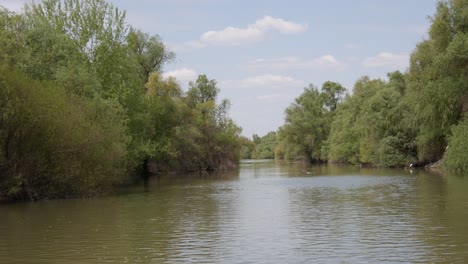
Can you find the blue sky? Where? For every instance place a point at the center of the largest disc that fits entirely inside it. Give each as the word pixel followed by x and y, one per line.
pixel 263 53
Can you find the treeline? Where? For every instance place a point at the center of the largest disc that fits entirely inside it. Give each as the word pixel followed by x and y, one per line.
pixel 417 117
pixel 259 147
pixel 84 107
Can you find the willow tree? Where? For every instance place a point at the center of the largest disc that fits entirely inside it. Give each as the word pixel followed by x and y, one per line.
pixel 372 126
pixel 218 136
pixel 264 147
pixel 149 52
pixel 306 126
pixel 333 94
pixel 95 26
pixel 438 76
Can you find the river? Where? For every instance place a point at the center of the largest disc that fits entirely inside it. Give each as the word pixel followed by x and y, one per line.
pixel 262 213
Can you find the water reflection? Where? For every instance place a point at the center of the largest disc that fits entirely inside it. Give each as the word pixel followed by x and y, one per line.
pixel 262 213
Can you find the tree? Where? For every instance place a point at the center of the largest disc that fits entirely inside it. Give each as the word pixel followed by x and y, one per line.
pixel 149 52
pixel 397 81
pixel 333 94
pixel 95 26
pixel 373 126
pixel 90 35
pixel 53 145
pixel 13 29
pixel 247 148
pixel 219 135
pixel 203 90
pixel 265 148
pixel 306 127
pixel 437 78
pixel 342 144
pixel 83 105
pixel 256 139
pixel 456 156
pixel 163 88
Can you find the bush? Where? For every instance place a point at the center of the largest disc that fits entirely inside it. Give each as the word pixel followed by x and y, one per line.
pixel 456 156
pixel 55 145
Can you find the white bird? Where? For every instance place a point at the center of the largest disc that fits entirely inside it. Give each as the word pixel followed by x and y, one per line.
pixel 308 172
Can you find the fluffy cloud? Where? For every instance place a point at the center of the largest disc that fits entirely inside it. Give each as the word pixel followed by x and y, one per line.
pixel 387 59
pixel 265 81
pixel 232 36
pixel 183 75
pixel 285 63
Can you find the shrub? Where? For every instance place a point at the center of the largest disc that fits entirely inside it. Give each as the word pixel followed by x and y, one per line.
pixel 456 155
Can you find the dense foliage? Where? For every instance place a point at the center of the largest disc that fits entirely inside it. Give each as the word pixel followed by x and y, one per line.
pixel 83 106
pixel 371 126
pixel 308 123
pixel 438 78
pixel 259 147
pixel 456 156
pixel 414 117
pixel 265 146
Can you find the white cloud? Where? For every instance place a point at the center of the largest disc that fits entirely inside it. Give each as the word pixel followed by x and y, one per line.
pixel 283 26
pixel 387 59
pixel 265 81
pixel 233 36
pixel 324 62
pixel 183 75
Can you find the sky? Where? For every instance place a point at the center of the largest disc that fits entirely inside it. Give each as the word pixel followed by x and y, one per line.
pixel 262 53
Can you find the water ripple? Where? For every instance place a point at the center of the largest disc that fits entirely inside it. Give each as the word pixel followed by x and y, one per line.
pixel 266 213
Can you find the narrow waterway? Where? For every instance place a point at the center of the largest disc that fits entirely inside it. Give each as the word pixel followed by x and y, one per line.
pixel 262 213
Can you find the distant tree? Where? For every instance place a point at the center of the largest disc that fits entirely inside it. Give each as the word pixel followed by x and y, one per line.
pixel 256 139
pixel 219 135
pixel 306 126
pixel 265 148
pixel 333 94
pixel 247 148
pixel 372 126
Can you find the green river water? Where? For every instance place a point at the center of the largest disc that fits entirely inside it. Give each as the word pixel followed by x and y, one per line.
pixel 262 213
